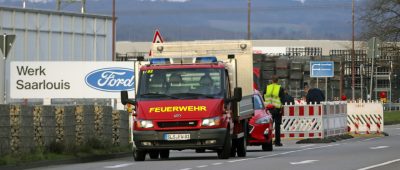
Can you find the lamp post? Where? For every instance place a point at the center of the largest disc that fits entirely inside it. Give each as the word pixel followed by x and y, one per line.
pixel 248 19
pixel 353 58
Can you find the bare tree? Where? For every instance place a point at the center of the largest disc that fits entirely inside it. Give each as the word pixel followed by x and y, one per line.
pixel 382 19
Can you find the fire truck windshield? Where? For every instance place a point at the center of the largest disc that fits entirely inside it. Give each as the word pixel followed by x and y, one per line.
pixel 181 84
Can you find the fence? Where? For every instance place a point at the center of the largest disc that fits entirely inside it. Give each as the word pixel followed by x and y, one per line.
pixel 314 120
pixel 365 117
pixel 25 128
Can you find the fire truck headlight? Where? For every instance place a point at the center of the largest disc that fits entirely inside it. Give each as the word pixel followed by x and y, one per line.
pixel 215 121
pixel 145 124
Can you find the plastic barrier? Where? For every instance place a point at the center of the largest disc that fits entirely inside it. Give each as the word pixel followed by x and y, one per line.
pixel 314 120
pixel 365 117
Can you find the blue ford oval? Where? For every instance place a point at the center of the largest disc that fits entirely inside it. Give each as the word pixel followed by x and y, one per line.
pixel 113 79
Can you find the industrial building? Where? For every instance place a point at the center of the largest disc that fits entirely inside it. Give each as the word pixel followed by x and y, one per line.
pixel 290 60
pixel 49 35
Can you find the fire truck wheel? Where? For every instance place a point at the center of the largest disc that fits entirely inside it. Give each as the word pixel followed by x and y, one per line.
pixel 154 154
pixel 233 148
pixel 200 150
pixel 225 152
pixel 241 147
pixel 267 146
pixel 139 155
pixel 164 154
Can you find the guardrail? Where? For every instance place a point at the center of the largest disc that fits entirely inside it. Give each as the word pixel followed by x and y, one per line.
pixel 314 120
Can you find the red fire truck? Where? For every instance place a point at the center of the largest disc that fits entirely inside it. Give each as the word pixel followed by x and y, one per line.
pixel 187 101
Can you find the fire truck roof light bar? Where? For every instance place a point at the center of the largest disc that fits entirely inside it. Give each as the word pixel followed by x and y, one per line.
pixel 208 59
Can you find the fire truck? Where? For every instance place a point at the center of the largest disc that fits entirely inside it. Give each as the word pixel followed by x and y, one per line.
pixel 193 95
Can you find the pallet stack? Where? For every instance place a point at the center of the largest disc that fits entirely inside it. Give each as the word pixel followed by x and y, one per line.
pixel 282 70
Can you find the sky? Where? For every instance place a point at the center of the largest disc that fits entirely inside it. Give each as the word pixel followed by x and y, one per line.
pixel 219 19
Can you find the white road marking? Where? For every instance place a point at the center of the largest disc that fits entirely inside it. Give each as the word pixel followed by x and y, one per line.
pixel 398 128
pixel 305 146
pixel 202 166
pixel 379 147
pixel 370 139
pixel 285 153
pixel 238 160
pixel 186 169
pixel 303 162
pixel 378 165
pixel 218 163
pixel 118 166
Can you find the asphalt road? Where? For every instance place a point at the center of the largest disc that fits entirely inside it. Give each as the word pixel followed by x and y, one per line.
pixel 352 154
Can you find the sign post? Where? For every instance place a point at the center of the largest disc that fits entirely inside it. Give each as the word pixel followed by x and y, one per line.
pixel 322 69
pixel 6 42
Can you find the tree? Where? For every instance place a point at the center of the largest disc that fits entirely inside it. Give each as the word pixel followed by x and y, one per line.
pixel 382 19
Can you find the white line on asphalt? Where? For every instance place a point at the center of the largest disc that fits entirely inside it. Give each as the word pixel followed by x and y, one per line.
pixel 119 166
pixel 285 153
pixel 370 139
pixel 379 147
pixel 218 163
pixel 202 166
pixel 398 128
pixel 378 165
pixel 186 169
pixel 303 162
pixel 238 160
pixel 305 146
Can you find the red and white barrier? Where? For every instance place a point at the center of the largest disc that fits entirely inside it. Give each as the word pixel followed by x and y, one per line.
pixel 365 117
pixel 314 120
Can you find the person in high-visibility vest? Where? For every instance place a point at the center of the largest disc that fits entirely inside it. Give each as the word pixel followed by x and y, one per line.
pixel 274 95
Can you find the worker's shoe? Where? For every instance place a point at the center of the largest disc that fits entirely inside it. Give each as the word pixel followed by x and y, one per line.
pixel 278 144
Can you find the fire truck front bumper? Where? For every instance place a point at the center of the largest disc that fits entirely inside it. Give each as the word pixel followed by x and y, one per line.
pixel 178 140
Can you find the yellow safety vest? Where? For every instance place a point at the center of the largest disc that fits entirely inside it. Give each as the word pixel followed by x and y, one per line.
pixel 272 95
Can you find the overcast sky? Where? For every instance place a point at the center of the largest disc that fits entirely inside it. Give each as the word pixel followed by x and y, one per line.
pixel 219 19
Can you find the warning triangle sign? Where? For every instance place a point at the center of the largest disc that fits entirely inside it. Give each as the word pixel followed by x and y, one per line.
pixel 157 38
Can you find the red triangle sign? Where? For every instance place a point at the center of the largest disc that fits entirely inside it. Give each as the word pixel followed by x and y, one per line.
pixel 157 38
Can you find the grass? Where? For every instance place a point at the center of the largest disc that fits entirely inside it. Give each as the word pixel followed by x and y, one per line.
pixel 55 151
pixel 391 117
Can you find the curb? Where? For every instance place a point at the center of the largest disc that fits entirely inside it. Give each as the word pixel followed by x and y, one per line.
pixel 66 161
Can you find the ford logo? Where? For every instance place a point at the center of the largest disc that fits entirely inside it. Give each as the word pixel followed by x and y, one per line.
pixel 111 79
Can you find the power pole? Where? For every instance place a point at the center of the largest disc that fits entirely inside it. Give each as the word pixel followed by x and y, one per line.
pixel 353 58
pixel 113 31
pixel 248 19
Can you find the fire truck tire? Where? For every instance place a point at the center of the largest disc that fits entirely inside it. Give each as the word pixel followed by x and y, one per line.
pixel 139 155
pixel 241 147
pixel 200 150
pixel 164 154
pixel 154 154
pixel 267 146
pixel 225 152
pixel 234 147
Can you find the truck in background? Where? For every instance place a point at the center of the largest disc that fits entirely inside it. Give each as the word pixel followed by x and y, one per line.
pixel 193 95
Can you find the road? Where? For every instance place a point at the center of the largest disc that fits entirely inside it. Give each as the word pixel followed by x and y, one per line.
pixel 352 154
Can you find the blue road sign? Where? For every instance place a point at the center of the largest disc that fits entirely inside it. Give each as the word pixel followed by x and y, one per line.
pixel 321 68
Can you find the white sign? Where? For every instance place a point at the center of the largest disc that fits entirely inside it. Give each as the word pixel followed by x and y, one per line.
pixel 71 79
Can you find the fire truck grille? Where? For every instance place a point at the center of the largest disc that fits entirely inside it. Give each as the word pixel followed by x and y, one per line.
pixel 177 124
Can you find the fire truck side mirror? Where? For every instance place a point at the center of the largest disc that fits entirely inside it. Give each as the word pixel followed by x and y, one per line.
pixel 237 94
pixel 125 99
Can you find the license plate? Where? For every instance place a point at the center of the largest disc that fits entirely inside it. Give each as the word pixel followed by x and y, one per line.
pixel 176 136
